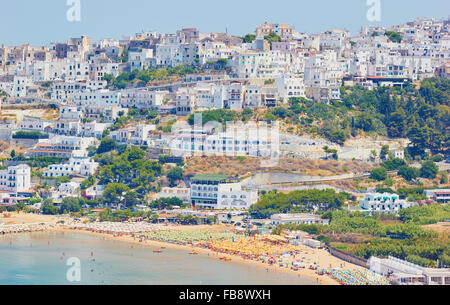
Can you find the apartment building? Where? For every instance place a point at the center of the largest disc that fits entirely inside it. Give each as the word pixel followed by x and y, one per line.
pixel 135 135
pixel 185 101
pixel 100 98
pixel 439 195
pixel 82 166
pixel 142 98
pixel 289 86
pixel 383 203
pixel 15 178
pixel 220 192
pixel 61 146
pixel 283 30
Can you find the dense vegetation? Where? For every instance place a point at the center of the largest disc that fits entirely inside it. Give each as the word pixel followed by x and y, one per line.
pixel 149 75
pixel 406 240
pixel 130 167
pixel 42 162
pixel 422 115
pixel 297 202
pixel 393 36
pixel 426 214
pixel 248 38
pixel 29 135
pixel 222 116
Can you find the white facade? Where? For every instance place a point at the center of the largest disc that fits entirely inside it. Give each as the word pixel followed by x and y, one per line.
pixel 68 189
pixel 15 178
pixel 100 98
pixel 439 195
pixel 383 203
pixel 215 192
pixel 290 86
pixel 136 135
pixel 182 193
pixel 75 166
pixel 308 219
pixel 142 98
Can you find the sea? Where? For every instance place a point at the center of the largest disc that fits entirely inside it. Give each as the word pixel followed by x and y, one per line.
pixel 68 258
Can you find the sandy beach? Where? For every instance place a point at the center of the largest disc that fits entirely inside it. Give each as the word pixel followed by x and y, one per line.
pixel 20 218
pixel 319 256
pixel 308 255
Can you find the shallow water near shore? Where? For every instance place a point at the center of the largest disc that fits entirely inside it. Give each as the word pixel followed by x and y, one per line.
pixel 41 258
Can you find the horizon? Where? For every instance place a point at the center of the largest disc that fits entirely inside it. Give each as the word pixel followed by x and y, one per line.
pixel 52 19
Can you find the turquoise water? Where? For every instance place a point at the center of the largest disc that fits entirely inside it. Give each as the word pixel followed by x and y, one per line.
pixel 40 258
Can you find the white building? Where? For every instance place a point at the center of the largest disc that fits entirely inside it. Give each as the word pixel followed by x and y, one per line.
pixel 61 146
pixel 136 135
pixel 405 273
pixel 82 166
pixel 307 219
pixel 142 98
pixel 240 140
pixel 15 178
pixel 185 101
pixel 260 64
pixel 290 86
pixel 220 192
pixel 140 60
pixel 34 124
pixel 383 202
pixel 439 195
pixel 100 98
pixel 68 189
pixel 182 193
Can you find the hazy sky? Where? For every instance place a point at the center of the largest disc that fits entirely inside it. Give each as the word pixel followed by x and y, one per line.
pixel 44 21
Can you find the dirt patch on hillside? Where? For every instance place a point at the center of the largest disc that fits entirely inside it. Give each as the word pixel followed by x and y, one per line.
pixel 246 166
pixel 441 227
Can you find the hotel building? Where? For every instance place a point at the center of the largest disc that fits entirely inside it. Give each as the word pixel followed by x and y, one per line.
pixel 15 178
pixel 220 192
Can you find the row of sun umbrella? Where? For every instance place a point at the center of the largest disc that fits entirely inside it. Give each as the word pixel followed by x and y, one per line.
pixel 117 227
pixel 358 277
pixel 191 236
pixel 21 228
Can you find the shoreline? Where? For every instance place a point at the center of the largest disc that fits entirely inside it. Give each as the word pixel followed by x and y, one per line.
pixel 310 274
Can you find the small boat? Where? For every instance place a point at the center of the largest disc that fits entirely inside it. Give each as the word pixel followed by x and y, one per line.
pixel 193 253
pixel 157 251
pixel 163 247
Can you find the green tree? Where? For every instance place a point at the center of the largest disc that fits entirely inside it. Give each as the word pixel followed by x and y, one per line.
pixel 174 175
pixel 20 206
pixel 248 38
pixel 48 208
pixel 378 174
pixel 106 145
pixel 393 36
pixel 131 199
pixel 429 170
pixel 70 205
pixel 408 173
pixel 113 193
pixel 384 152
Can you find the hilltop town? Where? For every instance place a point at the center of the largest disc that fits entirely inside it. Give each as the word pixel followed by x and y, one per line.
pixel 329 140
